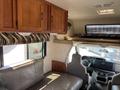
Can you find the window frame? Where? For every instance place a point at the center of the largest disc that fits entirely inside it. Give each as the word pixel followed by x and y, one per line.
pixel 1 57
pixel 44 48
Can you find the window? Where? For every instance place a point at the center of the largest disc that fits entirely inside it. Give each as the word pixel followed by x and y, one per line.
pixel 103 29
pixel 109 53
pixel 34 51
pixel 12 54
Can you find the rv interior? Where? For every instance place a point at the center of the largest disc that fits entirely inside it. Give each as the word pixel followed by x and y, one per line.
pixel 59 45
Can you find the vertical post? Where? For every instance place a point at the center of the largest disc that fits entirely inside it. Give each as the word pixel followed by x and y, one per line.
pixel 1 57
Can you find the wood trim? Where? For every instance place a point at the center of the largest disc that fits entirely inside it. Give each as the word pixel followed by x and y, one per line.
pixel 66 21
pixel 15 21
pixel 48 12
pixel 19 13
pixel 58 66
pixel 8 30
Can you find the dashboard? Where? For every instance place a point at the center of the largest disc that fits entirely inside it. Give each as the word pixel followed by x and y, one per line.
pixel 97 63
pixel 104 70
pixel 87 60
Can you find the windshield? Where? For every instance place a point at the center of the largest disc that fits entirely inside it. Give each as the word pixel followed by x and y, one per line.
pixel 109 53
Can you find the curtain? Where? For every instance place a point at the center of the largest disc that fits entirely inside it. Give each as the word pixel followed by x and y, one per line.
pixel 17 38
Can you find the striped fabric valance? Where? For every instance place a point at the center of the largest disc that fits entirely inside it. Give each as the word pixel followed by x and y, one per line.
pixel 17 38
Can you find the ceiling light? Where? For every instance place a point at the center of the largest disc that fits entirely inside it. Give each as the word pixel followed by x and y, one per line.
pixel 105 11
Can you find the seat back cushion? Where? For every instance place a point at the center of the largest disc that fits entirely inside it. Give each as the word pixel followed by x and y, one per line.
pixel 116 80
pixel 23 77
pixel 76 68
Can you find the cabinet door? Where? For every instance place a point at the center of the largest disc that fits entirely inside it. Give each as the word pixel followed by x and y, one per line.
pixel 31 15
pixel 7 15
pixel 58 20
pixel 48 12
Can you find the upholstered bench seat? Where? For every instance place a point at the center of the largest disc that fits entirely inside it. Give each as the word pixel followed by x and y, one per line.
pixel 30 77
pixel 61 81
pixel 65 82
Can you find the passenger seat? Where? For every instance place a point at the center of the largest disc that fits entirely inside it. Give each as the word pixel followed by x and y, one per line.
pixel 115 83
pixel 76 68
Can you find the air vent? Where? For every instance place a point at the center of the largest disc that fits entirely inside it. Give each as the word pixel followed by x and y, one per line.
pixel 105 11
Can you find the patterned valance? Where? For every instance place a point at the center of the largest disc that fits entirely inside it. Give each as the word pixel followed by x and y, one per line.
pixel 17 38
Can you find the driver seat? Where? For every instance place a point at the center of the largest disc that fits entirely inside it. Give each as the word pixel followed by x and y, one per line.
pixel 76 68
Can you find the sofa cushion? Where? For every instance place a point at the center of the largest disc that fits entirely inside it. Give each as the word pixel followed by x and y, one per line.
pixel 65 82
pixel 3 88
pixel 2 85
pixel 22 77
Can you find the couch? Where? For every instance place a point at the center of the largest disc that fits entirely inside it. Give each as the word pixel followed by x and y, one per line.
pixel 30 76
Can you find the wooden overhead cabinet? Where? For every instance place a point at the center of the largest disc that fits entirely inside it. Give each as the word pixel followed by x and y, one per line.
pixel 58 17
pixel 31 15
pixel 7 15
pixel 58 20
